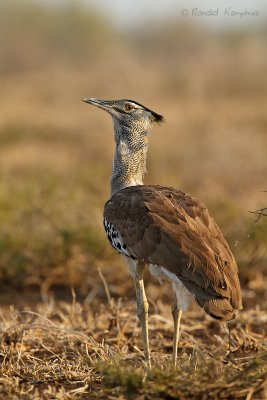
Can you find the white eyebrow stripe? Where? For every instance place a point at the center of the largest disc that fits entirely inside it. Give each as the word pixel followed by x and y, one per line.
pixel 134 105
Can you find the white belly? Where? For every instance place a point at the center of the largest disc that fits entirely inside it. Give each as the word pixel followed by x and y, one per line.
pixel 183 296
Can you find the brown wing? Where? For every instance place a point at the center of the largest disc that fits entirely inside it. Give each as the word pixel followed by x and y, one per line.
pixel 169 228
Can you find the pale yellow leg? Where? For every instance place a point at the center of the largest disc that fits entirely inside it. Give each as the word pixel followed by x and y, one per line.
pixel 177 314
pixel 142 309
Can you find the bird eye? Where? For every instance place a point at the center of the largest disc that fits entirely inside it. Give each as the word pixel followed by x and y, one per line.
pixel 128 107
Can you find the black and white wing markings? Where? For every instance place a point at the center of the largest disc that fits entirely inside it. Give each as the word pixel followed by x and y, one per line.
pixel 116 240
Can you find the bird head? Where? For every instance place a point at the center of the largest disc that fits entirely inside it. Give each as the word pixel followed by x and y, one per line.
pixel 128 113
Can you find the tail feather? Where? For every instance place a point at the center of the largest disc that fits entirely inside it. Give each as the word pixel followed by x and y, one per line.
pixel 220 309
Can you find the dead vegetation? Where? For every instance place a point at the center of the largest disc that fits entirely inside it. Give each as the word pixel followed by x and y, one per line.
pixel 81 350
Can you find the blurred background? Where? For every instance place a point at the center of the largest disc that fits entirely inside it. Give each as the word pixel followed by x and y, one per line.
pixel 206 75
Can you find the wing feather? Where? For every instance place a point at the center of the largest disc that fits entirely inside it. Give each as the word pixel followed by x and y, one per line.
pixel 167 227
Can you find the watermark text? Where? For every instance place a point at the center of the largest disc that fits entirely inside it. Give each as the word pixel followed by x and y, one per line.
pixel 220 12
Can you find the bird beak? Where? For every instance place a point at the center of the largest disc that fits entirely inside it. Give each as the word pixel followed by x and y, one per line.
pixel 103 104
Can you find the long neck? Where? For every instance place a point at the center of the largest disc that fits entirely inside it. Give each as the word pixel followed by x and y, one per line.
pixel 129 163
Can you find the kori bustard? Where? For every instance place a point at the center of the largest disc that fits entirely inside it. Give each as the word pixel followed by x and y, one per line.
pixel 163 228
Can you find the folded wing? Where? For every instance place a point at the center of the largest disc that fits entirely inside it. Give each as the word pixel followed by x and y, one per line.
pixel 169 228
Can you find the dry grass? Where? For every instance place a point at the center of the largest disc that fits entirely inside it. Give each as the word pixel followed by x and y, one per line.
pixel 92 350
pixel 55 162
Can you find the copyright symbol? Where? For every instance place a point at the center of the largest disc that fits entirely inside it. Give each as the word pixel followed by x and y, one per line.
pixel 184 12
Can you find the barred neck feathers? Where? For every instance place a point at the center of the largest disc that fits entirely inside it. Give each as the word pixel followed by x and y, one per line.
pixel 129 163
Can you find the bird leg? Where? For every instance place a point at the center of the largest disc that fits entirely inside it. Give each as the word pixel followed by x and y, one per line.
pixel 177 314
pixel 142 308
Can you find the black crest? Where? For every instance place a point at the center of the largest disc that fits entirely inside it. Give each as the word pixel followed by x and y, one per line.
pixel 157 118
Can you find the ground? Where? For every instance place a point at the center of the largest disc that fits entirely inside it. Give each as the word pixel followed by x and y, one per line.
pixel 90 348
